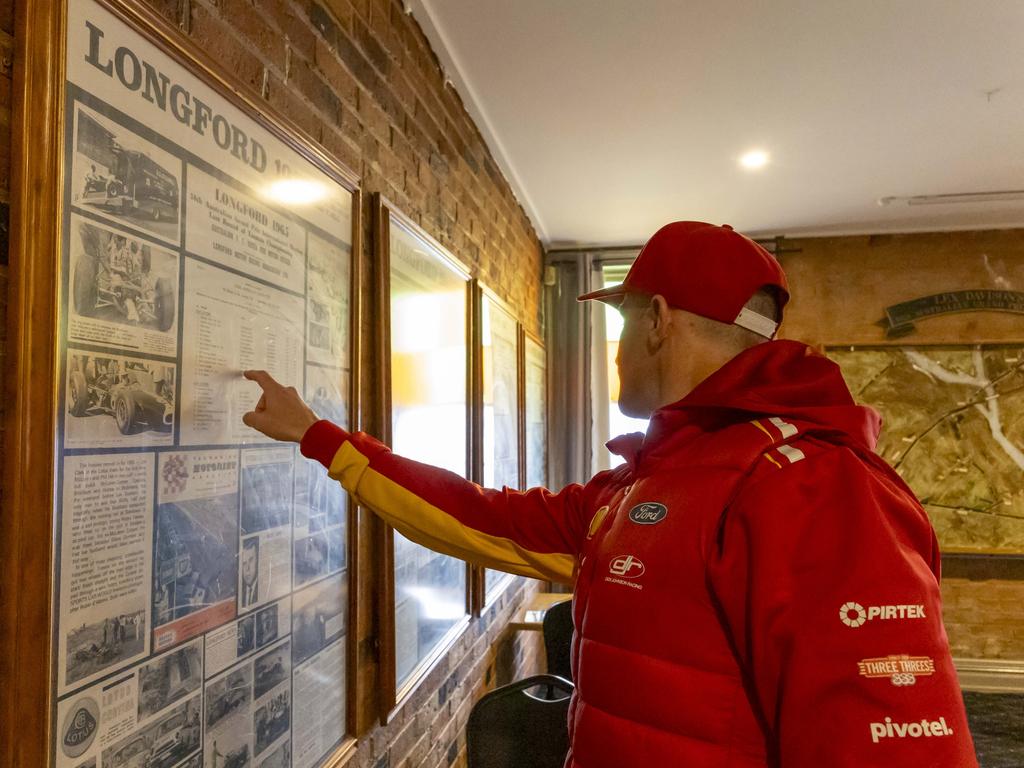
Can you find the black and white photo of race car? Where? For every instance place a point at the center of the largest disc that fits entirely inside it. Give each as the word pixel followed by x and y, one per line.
pixel 122 280
pixel 138 395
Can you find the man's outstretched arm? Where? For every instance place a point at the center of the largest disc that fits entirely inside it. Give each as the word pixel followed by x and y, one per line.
pixel 533 533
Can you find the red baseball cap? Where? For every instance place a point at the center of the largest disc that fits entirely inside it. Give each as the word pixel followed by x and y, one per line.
pixel 709 270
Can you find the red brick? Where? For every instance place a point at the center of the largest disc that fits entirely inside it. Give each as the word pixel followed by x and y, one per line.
pixel 362 7
pixel 292 24
pixel 371 47
pixel 343 12
pixel 252 27
pixel 308 82
pixel 215 36
pixel 285 101
pixel 337 76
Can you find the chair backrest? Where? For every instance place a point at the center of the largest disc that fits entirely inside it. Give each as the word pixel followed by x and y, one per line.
pixel 512 728
pixel 558 639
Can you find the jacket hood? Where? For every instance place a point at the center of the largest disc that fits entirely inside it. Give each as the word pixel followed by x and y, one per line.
pixel 787 379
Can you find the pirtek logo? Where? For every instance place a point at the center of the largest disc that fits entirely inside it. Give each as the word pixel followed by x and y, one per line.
pixel 648 513
pixel 853 614
pixel 626 566
pixel 891 730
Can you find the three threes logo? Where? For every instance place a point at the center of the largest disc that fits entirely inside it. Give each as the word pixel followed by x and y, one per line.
pixel 626 566
pixel 900 669
pixel 648 513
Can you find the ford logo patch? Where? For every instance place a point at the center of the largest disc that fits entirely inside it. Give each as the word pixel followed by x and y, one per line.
pixel 648 513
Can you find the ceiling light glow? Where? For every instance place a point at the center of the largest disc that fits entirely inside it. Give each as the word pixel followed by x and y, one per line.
pixel 754 160
pixel 296 191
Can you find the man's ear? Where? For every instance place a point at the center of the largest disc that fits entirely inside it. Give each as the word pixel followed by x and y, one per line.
pixel 659 315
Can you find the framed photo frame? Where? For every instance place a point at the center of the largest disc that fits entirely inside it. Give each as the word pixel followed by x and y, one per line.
pixel 425 332
pixel 499 410
pixel 191 577
pixel 535 412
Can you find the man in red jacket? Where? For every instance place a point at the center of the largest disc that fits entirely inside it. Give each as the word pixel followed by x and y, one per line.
pixel 754 586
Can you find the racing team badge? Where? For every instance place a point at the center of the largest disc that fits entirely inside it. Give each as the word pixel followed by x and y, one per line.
pixel 626 566
pixel 648 513
pixel 80 726
pixel 901 669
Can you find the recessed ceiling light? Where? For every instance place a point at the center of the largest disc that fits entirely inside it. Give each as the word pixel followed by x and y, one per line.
pixel 754 159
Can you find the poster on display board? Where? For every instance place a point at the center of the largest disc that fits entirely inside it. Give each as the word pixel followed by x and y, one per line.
pixel 200 583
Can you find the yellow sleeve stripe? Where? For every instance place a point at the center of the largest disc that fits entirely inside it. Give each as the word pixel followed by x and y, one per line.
pixel 773 461
pixel 432 527
pixel 760 426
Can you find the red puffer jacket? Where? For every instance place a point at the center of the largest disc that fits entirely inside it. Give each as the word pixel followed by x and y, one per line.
pixel 753 587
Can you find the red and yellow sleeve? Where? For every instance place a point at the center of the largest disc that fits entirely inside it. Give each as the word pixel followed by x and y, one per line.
pixel 532 533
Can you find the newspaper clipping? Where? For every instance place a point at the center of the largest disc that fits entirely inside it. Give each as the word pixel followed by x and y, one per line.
pixel 201 579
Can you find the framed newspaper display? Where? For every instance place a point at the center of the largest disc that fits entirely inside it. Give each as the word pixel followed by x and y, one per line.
pixel 499 408
pixel 178 583
pixel 424 333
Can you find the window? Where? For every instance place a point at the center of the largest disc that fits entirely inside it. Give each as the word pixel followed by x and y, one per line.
pixel 609 421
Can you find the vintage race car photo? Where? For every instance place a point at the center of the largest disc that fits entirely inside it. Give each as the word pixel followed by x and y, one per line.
pixel 113 280
pixel 137 395
pixel 123 180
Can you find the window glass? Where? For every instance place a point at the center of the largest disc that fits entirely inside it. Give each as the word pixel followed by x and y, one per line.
pixel 618 423
pixel 428 396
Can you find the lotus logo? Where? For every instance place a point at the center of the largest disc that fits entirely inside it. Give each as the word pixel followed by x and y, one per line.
pixel 648 513
pixel 626 566
pixel 80 727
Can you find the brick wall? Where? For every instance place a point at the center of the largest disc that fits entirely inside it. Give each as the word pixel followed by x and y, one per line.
pixel 359 77
pixel 981 605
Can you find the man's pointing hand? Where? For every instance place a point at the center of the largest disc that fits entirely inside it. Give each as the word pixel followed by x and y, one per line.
pixel 280 412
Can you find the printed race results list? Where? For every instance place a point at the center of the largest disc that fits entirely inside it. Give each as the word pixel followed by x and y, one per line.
pixel 202 568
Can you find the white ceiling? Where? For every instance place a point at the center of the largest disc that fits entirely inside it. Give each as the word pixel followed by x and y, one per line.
pixel 612 117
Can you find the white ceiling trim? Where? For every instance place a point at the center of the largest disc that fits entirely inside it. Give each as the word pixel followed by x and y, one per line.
pixel 630 250
pixel 454 72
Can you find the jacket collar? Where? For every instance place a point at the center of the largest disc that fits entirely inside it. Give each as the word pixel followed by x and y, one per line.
pixel 778 378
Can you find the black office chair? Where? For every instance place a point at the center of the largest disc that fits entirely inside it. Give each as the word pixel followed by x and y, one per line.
pixel 558 639
pixel 510 727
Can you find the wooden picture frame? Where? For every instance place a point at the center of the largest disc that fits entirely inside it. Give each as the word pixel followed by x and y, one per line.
pixel 136 199
pixel 389 222
pixel 534 354
pixel 488 302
